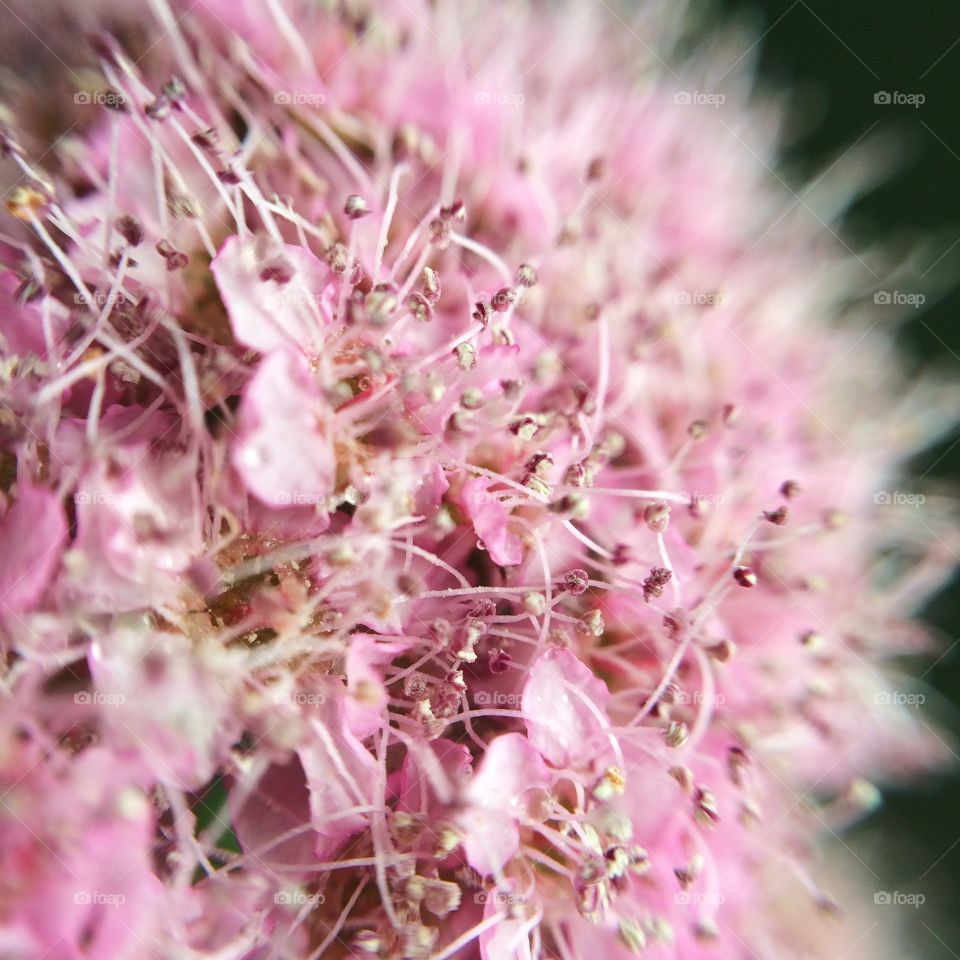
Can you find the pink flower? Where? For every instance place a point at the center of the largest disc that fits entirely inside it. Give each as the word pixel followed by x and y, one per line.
pixel 511 768
pixel 564 706
pixel 430 526
pixel 491 522
pixel 285 450
pixel 32 534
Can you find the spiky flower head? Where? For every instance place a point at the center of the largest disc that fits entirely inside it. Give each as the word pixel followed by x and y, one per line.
pixel 442 497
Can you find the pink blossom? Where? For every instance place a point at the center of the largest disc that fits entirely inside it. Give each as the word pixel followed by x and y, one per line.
pixel 491 522
pixel 510 770
pixel 430 525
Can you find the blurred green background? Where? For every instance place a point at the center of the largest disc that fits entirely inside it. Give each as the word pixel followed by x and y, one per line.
pixel 834 56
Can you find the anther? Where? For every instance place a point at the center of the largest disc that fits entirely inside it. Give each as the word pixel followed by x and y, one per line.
pixel 335 257
pixel 737 762
pixel 431 284
pixel 778 516
pixel 440 233
pixel 526 275
pixel 482 312
pixel 790 489
pixel 176 260
pixel 368 942
pixel 355 207
pixel 596 169
pixel 576 582
pixel 158 109
pixel 206 139
pixel 130 229
pixel 723 651
pixel 420 307
pixel 499 661
pixel 502 299
pixel 591 624
pixel 676 734
pixel 657 516
pixel 466 355
pixel 25 203
pixel 653 585
pixel 683 776
pixel 705 807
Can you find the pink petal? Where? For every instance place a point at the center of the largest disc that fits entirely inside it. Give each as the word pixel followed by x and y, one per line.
pixel 556 703
pixel 509 939
pixel 510 767
pixel 490 840
pixel 32 534
pixel 431 488
pixel 365 705
pixel 436 768
pixel 490 520
pixel 267 314
pixel 285 452
pixel 341 774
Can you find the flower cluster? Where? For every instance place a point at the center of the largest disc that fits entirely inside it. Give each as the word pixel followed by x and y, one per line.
pixel 438 519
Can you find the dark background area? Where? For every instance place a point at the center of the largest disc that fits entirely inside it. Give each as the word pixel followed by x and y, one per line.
pixel 835 55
